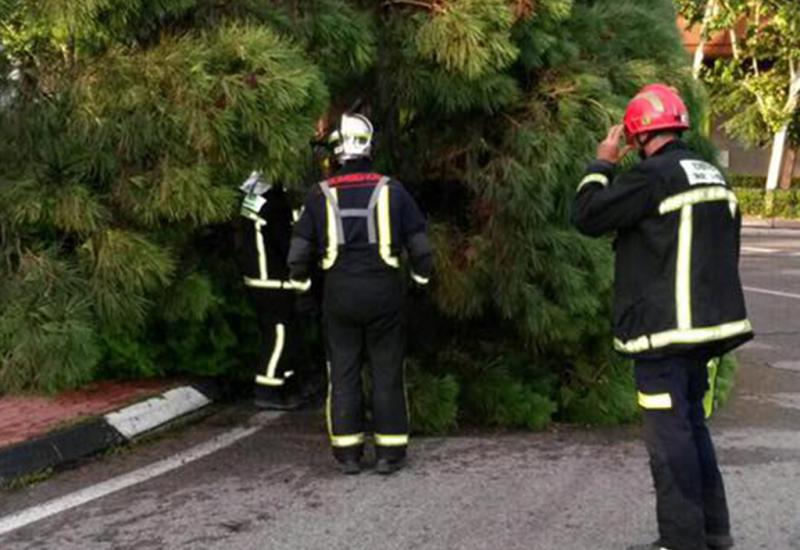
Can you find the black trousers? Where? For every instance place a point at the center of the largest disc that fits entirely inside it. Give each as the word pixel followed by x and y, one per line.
pixel 691 507
pixel 364 324
pixel 279 340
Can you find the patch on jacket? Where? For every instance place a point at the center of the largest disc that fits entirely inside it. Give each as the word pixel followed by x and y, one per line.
pixel 253 203
pixel 700 172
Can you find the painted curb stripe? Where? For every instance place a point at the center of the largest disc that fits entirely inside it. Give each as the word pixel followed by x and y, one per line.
pixel 83 440
pixel 147 415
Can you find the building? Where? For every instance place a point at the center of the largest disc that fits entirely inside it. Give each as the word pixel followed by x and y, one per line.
pixel 736 157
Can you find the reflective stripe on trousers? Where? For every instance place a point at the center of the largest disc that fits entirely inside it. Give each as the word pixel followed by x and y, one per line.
pixel 269 378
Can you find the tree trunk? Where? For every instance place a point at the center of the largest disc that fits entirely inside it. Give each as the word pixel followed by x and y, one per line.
pixel 789 160
pixel 776 160
pixel 779 143
pixel 699 52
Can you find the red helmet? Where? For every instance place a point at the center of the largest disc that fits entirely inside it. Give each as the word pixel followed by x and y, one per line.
pixel 655 107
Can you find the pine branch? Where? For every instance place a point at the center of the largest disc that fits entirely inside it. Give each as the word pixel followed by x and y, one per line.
pixel 524 9
pixel 435 6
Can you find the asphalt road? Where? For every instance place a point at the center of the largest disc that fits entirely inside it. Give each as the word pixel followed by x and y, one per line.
pixel 565 489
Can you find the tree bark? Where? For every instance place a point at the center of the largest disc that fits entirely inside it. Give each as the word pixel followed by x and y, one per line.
pixel 776 160
pixel 700 51
pixel 779 142
pixel 789 159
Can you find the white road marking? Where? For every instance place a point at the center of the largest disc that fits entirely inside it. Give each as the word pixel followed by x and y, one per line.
pixel 772 292
pixel 759 250
pixel 56 506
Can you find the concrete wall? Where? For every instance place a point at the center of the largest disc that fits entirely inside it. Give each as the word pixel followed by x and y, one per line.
pixel 744 160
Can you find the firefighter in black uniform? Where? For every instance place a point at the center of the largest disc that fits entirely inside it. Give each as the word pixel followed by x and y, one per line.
pixel 356 224
pixel 678 301
pixel 263 245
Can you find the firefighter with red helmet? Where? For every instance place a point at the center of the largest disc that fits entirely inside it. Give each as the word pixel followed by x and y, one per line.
pixel 678 300
pixel 356 225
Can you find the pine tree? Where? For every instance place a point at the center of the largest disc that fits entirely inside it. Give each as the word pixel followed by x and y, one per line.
pixel 494 108
pixel 128 128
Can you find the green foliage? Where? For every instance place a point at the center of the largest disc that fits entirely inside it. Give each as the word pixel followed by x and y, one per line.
pixel 127 125
pixel 497 173
pixel 191 298
pixel 497 399
pixel 468 37
pixel 127 355
pixel 747 181
pixel 47 336
pixel 125 128
pixel 506 391
pixel 340 38
pixel 753 88
pixel 776 204
pixel 751 201
pixel 600 396
pixel 502 170
pixel 123 268
pixel 433 402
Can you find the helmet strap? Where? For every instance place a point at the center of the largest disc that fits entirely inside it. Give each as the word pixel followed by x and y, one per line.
pixel 643 139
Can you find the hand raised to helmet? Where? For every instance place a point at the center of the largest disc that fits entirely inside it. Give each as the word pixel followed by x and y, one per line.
pixel 612 149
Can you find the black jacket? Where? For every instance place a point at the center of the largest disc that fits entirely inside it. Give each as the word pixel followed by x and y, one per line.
pixel 677 287
pixel 363 199
pixel 264 234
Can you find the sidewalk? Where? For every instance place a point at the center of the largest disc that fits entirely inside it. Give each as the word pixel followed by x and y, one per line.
pixel 770 223
pixel 770 227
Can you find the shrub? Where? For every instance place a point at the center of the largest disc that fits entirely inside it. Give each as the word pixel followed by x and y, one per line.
pixel 779 204
pixel 600 396
pixel 751 201
pixel 433 401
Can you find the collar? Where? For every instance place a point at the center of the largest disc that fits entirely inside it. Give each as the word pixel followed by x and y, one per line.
pixel 673 145
pixel 359 166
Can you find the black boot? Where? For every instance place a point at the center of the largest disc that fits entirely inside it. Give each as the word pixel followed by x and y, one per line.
pixel 275 399
pixel 313 392
pixel 719 542
pixel 386 466
pixel 351 466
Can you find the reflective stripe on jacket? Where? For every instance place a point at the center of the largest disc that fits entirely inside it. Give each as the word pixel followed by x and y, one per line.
pixel 359 222
pixel 677 225
pixel 266 227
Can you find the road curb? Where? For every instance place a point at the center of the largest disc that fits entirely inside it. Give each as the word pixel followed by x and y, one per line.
pixel 778 227
pixel 763 231
pixel 63 447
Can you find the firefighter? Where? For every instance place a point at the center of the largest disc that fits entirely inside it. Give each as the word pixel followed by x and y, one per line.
pixel 263 245
pixel 678 301
pixel 356 224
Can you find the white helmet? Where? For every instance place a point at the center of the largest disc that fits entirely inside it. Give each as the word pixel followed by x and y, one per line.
pixel 255 184
pixel 353 139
